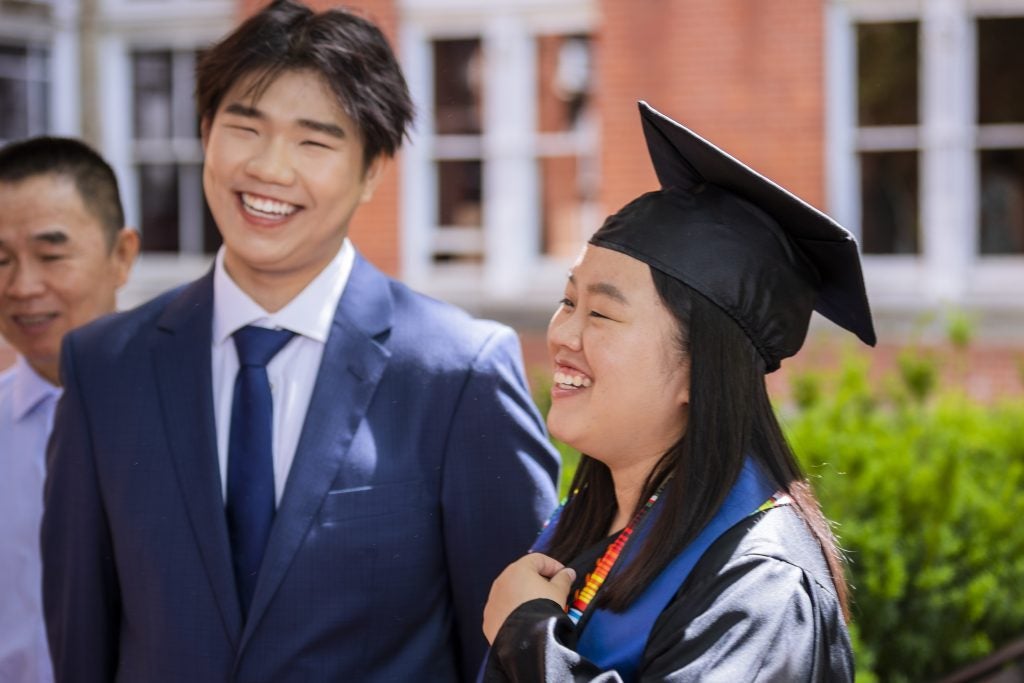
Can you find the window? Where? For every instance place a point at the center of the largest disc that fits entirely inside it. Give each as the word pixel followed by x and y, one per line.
pixel 167 154
pixel 24 87
pixel 566 161
pixel 925 120
pixel 458 150
pixel 887 136
pixel 501 189
pixel 1000 135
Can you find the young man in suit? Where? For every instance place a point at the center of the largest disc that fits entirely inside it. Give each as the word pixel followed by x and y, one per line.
pixel 64 252
pixel 294 468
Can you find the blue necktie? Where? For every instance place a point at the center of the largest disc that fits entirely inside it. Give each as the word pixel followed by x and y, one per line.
pixel 250 503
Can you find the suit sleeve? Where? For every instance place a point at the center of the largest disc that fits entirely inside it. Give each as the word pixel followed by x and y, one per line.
pixel 80 589
pixel 500 477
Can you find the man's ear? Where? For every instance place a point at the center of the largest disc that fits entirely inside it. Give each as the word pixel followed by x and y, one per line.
pixel 204 131
pixel 372 176
pixel 126 249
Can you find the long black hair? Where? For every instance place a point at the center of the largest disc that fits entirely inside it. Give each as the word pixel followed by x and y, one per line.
pixel 730 417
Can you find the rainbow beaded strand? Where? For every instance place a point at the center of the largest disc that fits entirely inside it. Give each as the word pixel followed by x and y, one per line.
pixel 607 561
pixel 604 565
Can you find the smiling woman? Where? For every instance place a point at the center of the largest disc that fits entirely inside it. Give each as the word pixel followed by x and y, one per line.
pixel 691 546
pixel 613 336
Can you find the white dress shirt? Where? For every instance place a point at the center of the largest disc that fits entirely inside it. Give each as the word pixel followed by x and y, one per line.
pixel 27 403
pixel 292 372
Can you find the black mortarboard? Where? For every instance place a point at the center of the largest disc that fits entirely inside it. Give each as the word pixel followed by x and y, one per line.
pixel 760 253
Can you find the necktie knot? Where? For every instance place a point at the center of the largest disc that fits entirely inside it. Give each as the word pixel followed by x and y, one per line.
pixel 257 345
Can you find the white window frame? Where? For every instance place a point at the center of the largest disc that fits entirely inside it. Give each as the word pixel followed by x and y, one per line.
pixel 131 25
pixel 54 29
pixel 949 271
pixel 183 152
pixel 513 273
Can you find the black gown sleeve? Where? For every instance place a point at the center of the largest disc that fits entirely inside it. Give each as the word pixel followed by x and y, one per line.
pixel 750 611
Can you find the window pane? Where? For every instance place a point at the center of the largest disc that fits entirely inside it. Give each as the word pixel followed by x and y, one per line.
pixel 1002 201
pixel 457 91
pixel 887 68
pixel 460 193
pixel 1000 69
pixel 158 188
pixel 889 213
pixel 564 82
pixel 13 109
pixel 563 198
pixel 152 107
pixel 24 96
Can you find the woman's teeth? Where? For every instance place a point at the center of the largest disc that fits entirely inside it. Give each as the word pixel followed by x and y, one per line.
pixel 566 380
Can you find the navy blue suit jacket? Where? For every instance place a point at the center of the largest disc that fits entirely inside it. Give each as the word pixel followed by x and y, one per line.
pixel 421 471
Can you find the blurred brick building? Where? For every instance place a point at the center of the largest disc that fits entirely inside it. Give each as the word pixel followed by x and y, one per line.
pixel 904 119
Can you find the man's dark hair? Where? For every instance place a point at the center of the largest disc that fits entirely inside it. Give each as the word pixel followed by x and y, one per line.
pixel 73 159
pixel 349 52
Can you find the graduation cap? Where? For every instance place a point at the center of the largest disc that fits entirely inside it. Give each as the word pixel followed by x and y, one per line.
pixel 760 253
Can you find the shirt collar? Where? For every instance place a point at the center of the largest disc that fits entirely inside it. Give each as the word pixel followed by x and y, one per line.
pixel 29 389
pixel 309 314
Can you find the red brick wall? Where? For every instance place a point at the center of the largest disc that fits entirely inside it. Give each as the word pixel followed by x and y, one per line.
pixel 985 372
pixel 746 75
pixel 375 225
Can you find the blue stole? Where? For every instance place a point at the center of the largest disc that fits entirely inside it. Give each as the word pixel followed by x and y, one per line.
pixel 616 641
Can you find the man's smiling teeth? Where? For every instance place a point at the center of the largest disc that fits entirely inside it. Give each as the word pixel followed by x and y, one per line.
pixel 567 380
pixel 37 319
pixel 267 207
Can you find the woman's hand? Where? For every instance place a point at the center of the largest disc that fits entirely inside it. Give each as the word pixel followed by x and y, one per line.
pixel 528 578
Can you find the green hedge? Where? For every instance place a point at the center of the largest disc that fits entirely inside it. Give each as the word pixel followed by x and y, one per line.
pixel 927 493
pixel 928 496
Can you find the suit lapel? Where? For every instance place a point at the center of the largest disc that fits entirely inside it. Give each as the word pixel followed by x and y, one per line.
pixel 353 362
pixel 182 359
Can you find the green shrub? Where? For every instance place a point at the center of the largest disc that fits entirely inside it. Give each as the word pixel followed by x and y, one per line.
pixel 919 372
pixel 927 501
pixel 959 329
pixel 806 388
pixel 540 383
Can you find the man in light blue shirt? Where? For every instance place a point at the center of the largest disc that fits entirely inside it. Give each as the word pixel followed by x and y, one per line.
pixel 63 254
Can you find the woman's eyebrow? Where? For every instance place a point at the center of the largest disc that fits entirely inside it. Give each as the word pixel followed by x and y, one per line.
pixel 605 289
pixel 609 290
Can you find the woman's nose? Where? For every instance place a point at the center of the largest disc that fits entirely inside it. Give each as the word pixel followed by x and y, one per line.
pixel 565 330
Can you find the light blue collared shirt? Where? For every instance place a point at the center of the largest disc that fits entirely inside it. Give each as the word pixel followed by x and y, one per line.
pixel 27 403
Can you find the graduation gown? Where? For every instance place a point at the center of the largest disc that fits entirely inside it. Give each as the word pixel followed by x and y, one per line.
pixel 758 606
